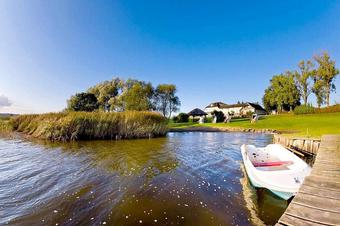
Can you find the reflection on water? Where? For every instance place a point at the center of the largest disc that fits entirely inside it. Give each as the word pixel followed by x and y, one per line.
pixel 264 206
pixel 184 178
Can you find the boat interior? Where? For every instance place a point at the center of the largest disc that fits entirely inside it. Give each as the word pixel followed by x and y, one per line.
pixel 263 160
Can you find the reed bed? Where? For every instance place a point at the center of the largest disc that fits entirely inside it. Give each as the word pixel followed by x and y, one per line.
pixel 5 127
pixel 68 126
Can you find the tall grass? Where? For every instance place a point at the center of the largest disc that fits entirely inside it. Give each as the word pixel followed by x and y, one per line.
pixel 330 109
pixel 91 125
pixel 304 109
pixel 5 127
pixel 309 109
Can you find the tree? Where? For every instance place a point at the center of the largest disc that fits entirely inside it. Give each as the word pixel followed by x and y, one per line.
pixel 120 95
pixel 107 92
pixel 166 100
pixel 83 102
pixel 137 96
pixel 291 92
pixel 268 99
pixel 325 76
pixel 319 91
pixel 282 92
pixel 303 77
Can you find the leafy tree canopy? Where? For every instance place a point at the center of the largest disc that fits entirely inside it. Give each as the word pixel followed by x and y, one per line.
pixel 107 92
pixel 282 92
pixel 120 95
pixel 83 102
pixel 324 77
pixel 137 95
pixel 166 100
pixel 303 77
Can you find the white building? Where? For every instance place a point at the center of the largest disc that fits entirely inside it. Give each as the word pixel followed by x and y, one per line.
pixel 235 109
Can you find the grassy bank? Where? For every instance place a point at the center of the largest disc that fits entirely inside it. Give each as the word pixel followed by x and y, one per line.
pixel 312 125
pixel 86 125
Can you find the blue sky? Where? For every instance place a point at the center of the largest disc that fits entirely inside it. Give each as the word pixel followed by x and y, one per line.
pixel 212 50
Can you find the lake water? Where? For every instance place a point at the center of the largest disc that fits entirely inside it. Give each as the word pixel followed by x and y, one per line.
pixel 182 179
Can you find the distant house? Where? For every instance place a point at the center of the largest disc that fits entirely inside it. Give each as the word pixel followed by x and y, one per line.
pixel 217 106
pixel 241 109
pixel 253 108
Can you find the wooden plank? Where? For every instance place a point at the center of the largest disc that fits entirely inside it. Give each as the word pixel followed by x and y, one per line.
pixel 335 175
pixel 326 170
pixel 295 221
pixel 322 159
pixel 324 167
pixel 328 165
pixel 333 194
pixel 326 156
pixel 313 215
pixel 316 202
pixel 322 182
pixel 295 151
pixel 321 188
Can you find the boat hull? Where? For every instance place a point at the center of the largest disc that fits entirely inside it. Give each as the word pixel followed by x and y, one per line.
pixel 280 194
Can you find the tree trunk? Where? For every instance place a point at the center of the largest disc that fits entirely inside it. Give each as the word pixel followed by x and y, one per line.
pixel 278 109
pixel 328 90
pixel 305 91
pixel 170 110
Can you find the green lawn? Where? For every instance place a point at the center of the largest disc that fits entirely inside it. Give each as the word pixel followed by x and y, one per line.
pixel 313 125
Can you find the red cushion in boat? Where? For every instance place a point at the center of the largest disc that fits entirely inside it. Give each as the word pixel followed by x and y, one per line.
pixel 265 164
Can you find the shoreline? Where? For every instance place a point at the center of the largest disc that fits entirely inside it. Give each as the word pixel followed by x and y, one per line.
pixel 223 129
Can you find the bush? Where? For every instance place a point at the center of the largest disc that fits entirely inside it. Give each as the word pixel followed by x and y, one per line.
pixel 193 120
pixel 208 119
pixel 181 117
pixel 249 114
pixel 304 109
pixel 91 125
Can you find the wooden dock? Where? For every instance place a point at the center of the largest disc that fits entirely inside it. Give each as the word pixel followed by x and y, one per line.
pixel 318 200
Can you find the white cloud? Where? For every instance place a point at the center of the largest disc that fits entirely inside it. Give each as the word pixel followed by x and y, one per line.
pixel 4 101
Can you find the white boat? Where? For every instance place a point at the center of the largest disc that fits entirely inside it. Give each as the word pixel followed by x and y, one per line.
pixel 274 168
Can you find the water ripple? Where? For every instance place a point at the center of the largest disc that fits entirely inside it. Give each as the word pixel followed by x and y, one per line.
pixel 185 178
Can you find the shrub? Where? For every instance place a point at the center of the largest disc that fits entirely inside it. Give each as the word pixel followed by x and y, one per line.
pixel 208 119
pixel 91 125
pixel 193 119
pixel 175 119
pixel 249 114
pixel 182 117
pixel 304 109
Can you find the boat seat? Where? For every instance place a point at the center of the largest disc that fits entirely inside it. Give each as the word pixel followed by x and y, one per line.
pixel 276 163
